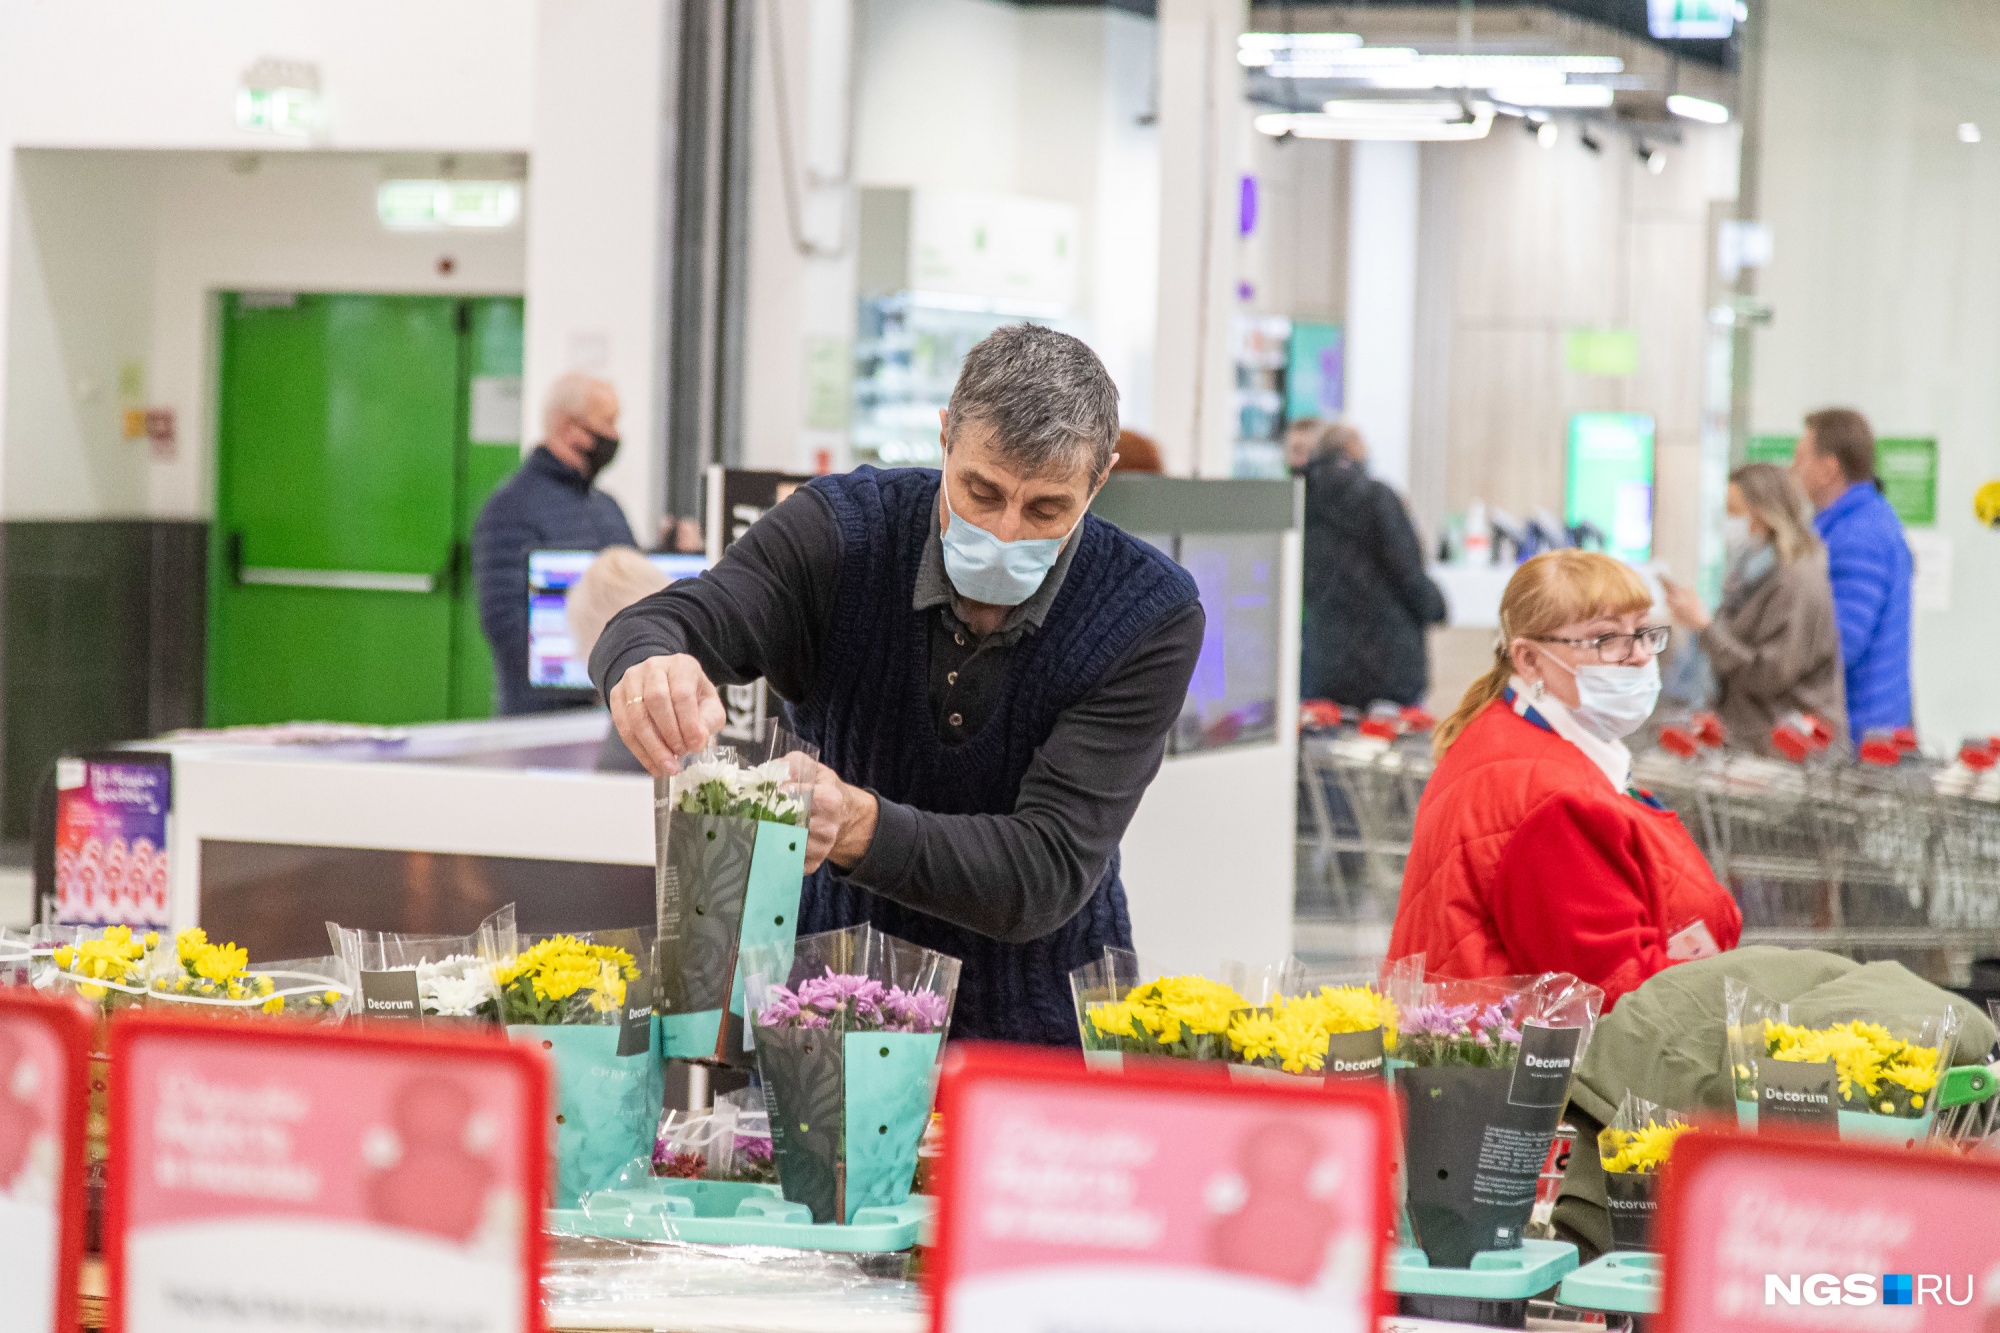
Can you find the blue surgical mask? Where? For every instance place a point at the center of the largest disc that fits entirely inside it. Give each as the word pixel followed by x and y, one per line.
pixel 985 569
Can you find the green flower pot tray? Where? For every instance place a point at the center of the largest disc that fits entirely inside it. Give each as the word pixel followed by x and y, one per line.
pixel 1493 1291
pixel 722 1212
pixel 1623 1282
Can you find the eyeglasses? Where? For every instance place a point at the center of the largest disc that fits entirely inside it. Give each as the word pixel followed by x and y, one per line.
pixel 1617 649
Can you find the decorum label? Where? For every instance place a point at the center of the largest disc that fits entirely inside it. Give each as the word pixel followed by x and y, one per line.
pixel 635 1032
pixel 1354 1055
pixel 391 994
pixel 1548 1058
pixel 1798 1094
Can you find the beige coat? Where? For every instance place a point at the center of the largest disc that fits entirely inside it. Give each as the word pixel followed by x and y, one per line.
pixel 1775 650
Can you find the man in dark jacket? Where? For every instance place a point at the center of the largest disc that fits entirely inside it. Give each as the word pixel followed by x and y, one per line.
pixel 550 504
pixel 1868 562
pixel 1367 600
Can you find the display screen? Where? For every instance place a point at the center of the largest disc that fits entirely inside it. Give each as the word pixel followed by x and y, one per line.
pixel 1610 485
pixel 552 660
pixel 1233 695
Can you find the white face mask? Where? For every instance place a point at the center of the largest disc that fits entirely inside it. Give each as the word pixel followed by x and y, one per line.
pixel 1613 701
pixel 1736 534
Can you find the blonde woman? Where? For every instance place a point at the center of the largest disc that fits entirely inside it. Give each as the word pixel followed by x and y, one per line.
pixel 1773 644
pixel 1533 853
pixel 618 577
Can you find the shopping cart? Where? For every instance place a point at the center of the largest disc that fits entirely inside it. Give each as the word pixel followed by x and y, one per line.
pixel 1358 797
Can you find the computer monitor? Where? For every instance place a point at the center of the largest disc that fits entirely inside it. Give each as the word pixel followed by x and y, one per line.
pixel 552 660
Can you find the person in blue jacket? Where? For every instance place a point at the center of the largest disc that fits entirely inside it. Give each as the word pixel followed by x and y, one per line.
pixel 552 502
pixel 1868 562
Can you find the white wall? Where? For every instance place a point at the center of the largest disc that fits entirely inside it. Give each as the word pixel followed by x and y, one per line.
pixel 117 257
pixel 1381 329
pixel 128 74
pixel 598 195
pixel 1043 101
pixel 1886 283
pixel 1204 145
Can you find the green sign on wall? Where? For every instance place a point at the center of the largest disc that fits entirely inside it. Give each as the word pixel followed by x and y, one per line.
pixel 1612 352
pixel 1770 449
pixel 1908 471
pixel 1610 482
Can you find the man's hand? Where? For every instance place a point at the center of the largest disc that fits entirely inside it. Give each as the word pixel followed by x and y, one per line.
pixel 666 707
pixel 843 822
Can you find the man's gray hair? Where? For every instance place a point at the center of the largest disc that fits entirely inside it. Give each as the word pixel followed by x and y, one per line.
pixel 1046 396
pixel 569 398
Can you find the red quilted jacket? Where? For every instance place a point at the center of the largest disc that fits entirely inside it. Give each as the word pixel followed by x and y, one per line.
pixel 1526 860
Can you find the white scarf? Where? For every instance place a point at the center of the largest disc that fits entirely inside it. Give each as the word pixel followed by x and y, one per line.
pixel 1611 757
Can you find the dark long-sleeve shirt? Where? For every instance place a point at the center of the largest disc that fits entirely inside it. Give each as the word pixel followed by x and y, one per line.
pixel 766 610
pixel 547 505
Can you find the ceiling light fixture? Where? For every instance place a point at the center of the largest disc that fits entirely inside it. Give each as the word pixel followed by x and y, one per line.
pixel 1574 96
pixel 1547 134
pixel 1427 122
pixel 1655 159
pixel 1968 133
pixel 1411 68
pixel 1698 108
pixel 432 205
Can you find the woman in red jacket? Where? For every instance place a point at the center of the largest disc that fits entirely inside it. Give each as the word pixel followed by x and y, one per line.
pixel 1532 851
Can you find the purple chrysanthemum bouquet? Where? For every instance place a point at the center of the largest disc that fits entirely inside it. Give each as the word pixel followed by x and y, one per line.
pixel 1483 1072
pixel 848 1027
pixel 853 1003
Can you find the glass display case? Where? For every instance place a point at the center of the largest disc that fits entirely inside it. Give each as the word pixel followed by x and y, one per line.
pixel 1230 535
pixel 906 358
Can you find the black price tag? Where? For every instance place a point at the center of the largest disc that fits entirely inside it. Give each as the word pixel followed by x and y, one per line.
pixel 391 994
pixel 1354 1055
pixel 1547 1059
pixel 1796 1094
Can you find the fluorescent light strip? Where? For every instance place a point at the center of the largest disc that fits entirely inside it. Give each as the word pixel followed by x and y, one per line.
pixel 1698 108
pixel 1577 96
pixel 1307 125
pixel 1440 71
pixel 1298 41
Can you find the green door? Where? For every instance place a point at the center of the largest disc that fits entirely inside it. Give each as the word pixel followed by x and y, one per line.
pixel 341 507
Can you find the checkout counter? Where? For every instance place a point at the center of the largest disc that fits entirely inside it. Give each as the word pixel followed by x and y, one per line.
pixel 427 829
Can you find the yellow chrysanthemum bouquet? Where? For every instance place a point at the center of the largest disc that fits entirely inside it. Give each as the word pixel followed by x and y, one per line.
pixel 582 1000
pixel 1632 1150
pixel 1872 1076
pixel 200 976
pixel 107 966
pixel 1255 1017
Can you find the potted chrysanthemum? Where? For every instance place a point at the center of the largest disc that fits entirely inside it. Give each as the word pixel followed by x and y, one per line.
pixel 847 1039
pixel 730 833
pixel 1632 1150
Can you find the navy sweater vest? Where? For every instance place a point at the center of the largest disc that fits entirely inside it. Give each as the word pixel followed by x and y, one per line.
pixel 869 713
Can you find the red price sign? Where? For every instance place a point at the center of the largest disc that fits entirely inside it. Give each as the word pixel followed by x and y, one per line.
pixel 44 1046
pixel 1792 1235
pixel 1160 1198
pixel 266 1176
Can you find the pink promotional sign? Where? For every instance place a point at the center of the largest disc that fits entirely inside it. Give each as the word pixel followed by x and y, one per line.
pixel 111 840
pixel 43 1046
pixel 1791 1235
pixel 1158 1198
pixel 269 1176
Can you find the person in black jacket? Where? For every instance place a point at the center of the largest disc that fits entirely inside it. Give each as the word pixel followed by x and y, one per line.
pixel 550 504
pixel 1367 600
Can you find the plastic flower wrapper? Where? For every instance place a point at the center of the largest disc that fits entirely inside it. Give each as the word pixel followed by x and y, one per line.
pixel 107 966
pixel 848 1027
pixel 582 999
pixel 1184 1017
pixel 1483 1068
pixel 730 839
pixel 201 977
pixel 428 977
pixel 1632 1150
pixel 1862 1076
pixel 1340 1030
pixel 730 1141
pixel 18 958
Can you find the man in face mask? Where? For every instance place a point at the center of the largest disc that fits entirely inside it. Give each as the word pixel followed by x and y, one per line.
pixel 551 503
pixel 988 671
